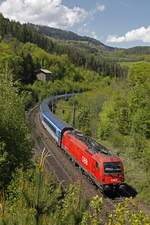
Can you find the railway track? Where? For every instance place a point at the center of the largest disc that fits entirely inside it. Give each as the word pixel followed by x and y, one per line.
pixel 61 167
pixel 65 172
pixel 52 164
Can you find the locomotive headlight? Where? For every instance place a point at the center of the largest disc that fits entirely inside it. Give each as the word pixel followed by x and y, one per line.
pixel 107 188
pixel 121 187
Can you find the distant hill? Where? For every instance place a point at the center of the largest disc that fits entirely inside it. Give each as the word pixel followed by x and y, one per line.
pixel 69 36
pixel 92 45
pixel 138 50
pixel 85 54
pixel 81 51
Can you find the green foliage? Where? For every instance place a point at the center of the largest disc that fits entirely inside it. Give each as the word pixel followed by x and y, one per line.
pixel 125 121
pixel 115 117
pixel 31 199
pixel 127 213
pixel 15 150
pixel 72 207
pixel 84 120
pixel 43 90
pixel 87 106
pixel 129 111
pixel 35 199
pixel 20 64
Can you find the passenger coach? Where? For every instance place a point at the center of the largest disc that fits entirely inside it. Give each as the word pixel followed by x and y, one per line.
pixel 52 124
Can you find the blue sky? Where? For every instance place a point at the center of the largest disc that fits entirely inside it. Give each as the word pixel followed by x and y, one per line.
pixel 118 18
pixel 120 23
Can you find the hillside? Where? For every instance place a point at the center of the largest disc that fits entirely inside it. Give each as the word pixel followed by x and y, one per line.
pixel 82 51
pixel 92 45
pixel 80 55
pixel 69 36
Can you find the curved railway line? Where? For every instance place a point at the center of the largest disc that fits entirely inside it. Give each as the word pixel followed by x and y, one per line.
pixel 59 164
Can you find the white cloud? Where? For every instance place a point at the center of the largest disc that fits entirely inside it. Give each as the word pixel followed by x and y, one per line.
pixel 140 34
pixel 93 34
pixel 100 8
pixel 45 12
pixel 84 30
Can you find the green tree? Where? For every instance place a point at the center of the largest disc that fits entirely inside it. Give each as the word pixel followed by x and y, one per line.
pixel 14 134
pixel 84 120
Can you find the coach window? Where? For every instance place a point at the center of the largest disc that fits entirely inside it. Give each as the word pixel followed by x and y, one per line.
pixel 59 134
pixel 50 125
pixel 97 166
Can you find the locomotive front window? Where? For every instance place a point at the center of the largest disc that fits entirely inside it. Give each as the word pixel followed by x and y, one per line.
pixel 97 166
pixel 112 167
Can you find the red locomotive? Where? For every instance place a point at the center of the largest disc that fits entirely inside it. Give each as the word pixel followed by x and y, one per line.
pixel 105 169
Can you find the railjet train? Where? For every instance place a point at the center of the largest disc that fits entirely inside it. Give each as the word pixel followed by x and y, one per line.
pixel 99 163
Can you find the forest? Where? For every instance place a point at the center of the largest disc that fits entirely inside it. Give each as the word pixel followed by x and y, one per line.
pixel 113 108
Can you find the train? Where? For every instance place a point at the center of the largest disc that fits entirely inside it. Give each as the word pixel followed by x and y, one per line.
pixel 99 163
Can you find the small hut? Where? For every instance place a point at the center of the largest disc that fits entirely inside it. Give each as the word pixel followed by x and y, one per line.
pixel 44 75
